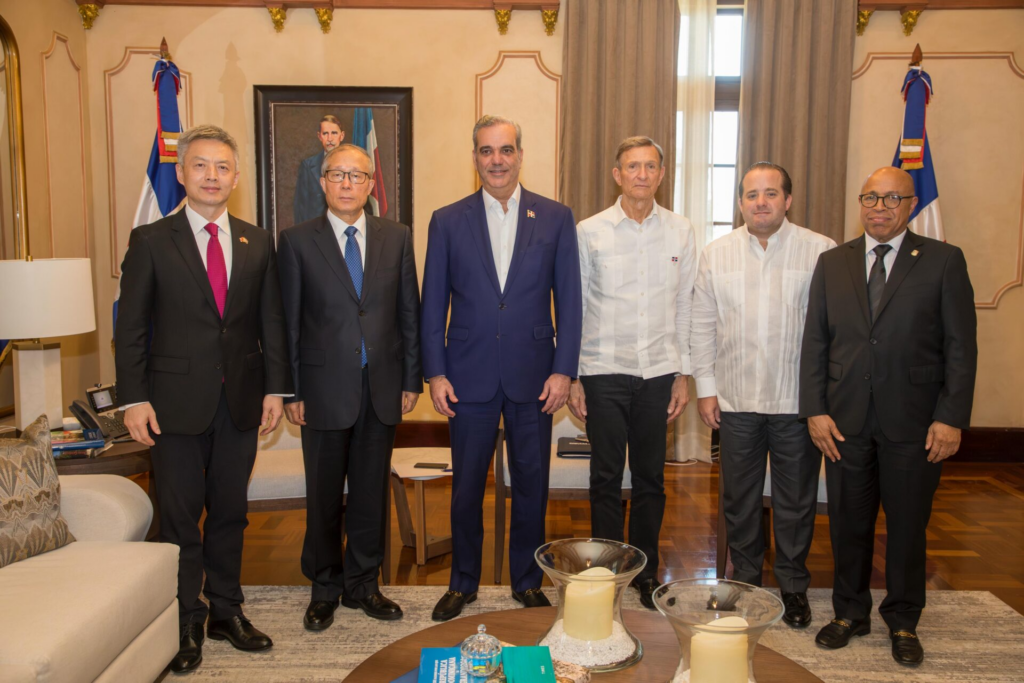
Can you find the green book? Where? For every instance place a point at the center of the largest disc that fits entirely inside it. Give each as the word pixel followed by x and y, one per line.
pixel 528 665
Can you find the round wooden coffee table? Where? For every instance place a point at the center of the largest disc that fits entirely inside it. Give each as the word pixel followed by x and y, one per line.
pixel 524 626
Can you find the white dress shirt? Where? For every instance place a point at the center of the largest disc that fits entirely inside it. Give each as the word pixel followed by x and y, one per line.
pixel 339 227
pixel 749 306
pixel 637 292
pixel 198 225
pixel 890 256
pixel 501 227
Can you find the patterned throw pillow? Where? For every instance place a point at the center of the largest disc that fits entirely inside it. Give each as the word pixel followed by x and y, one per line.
pixel 30 521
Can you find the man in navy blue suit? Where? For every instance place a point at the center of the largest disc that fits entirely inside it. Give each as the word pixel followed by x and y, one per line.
pixel 495 258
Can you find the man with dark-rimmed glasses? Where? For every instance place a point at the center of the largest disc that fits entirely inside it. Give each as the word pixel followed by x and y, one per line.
pixel 886 385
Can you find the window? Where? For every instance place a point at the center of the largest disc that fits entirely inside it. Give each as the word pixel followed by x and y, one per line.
pixel 726 119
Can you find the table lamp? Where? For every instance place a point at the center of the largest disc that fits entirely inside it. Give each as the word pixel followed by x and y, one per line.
pixel 39 299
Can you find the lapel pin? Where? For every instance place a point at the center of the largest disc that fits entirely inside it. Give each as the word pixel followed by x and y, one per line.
pixel 245 241
pixel 530 213
pixel 914 253
pixel 675 259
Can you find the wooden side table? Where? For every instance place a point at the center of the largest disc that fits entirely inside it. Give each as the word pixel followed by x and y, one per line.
pixel 414 532
pixel 124 460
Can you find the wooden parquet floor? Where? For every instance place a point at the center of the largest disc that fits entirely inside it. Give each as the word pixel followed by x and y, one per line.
pixel 975 538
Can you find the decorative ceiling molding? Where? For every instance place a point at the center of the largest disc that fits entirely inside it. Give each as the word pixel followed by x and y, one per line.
pixel 278 9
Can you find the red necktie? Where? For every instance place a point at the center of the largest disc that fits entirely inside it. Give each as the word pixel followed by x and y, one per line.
pixel 216 270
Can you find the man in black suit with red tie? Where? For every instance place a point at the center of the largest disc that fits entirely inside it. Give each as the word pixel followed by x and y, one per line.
pixel 216 369
pixel 352 303
pixel 886 385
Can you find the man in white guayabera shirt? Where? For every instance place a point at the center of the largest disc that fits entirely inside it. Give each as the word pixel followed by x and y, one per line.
pixel 749 306
pixel 637 262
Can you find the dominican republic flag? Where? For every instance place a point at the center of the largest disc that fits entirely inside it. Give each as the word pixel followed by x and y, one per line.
pixel 365 135
pixel 914 155
pixel 162 194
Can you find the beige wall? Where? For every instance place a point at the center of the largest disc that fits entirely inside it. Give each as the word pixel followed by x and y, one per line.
pixel 224 52
pixel 976 61
pixel 52 46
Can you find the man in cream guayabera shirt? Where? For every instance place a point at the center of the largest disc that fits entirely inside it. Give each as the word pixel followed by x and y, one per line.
pixel 637 262
pixel 749 305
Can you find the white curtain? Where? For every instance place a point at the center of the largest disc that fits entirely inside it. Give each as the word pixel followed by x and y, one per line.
pixel 695 106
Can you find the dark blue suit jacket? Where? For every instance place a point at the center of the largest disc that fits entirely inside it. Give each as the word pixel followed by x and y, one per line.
pixel 501 336
pixel 310 202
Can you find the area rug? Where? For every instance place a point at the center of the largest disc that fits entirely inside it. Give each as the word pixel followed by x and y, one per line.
pixel 969 637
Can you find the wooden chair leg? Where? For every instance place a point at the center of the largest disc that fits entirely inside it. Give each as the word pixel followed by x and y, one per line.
pixel 500 502
pixel 766 527
pixel 723 539
pixel 385 568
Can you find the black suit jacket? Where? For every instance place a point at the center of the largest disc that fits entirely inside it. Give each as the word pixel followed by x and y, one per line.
pixel 918 358
pixel 326 320
pixel 194 353
pixel 309 196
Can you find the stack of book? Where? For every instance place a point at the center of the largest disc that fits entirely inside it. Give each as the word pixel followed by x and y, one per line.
pixel 518 665
pixel 68 445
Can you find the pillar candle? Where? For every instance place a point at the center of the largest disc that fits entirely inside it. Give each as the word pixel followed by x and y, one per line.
pixel 588 606
pixel 719 657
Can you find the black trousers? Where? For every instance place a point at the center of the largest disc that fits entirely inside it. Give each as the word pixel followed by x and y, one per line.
pixel 621 410
pixel 361 454
pixel 208 470
pixel 747 439
pixel 874 468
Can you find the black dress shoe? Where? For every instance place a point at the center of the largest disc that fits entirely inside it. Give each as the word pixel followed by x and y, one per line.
pixel 190 648
pixel 450 605
pixel 319 614
pixel 646 588
pixel 531 597
pixel 240 632
pixel 375 605
pixel 837 633
pixel 906 648
pixel 798 611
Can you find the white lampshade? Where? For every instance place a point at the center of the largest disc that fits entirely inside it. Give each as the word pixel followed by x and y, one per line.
pixel 46 298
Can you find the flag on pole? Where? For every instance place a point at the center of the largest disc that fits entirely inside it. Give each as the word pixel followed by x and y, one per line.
pixel 365 135
pixel 914 155
pixel 162 194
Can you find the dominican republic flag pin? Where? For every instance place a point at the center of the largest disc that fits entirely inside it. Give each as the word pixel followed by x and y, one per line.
pixel 530 213
pixel 243 240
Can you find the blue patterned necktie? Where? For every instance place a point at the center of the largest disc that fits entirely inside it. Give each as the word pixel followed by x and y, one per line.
pixel 355 270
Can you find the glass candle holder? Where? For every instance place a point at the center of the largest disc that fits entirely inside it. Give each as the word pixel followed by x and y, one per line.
pixel 718 624
pixel 590 575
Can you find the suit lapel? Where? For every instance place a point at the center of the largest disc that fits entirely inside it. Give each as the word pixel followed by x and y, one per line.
pixel 906 258
pixel 476 221
pixel 855 262
pixel 185 240
pixel 524 232
pixel 329 247
pixel 239 253
pixel 374 245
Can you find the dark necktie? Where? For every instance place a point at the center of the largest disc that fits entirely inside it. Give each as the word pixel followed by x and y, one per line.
pixel 355 270
pixel 876 280
pixel 216 270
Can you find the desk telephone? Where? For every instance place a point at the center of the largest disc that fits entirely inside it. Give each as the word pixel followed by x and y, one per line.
pixel 101 412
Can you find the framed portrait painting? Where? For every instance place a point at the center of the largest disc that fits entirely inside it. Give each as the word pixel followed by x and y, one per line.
pixel 295 125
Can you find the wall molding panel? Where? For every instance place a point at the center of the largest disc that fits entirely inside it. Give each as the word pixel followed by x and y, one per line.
pixel 131 126
pixel 976 94
pixel 522 87
pixel 64 144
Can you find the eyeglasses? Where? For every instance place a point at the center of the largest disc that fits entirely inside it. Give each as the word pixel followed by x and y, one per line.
pixel 357 177
pixel 891 201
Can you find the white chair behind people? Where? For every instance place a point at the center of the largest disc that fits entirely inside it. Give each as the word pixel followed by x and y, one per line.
pixel 766 518
pixel 569 480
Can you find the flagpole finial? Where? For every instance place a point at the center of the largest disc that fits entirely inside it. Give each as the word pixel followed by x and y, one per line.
pixel 917 57
pixel 164 50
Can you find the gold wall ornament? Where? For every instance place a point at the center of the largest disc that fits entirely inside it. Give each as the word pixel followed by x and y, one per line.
pixel 503 16
pixel 863 16
pixel 89 13
pixel 550 18
pixel 324 15
pixel 277 15
pixel 909 20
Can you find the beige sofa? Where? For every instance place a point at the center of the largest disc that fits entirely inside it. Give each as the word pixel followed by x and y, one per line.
pixel 100 609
